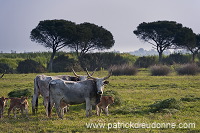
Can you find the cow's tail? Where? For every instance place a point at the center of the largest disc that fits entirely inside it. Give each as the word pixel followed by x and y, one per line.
pixel 49 102
pixel 35 96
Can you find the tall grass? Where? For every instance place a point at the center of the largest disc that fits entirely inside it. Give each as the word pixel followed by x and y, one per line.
pixel 124 69
pixel 188 69
pixel 159 70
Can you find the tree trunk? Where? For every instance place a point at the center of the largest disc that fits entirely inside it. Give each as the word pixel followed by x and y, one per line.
pixel 193 56
pixel 160 57
pixel 81 62
pixel 50 67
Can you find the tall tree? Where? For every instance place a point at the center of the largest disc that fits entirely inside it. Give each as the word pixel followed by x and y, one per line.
pixel 185 38
pixel 160 34
pixel 53 34
pixel 90 37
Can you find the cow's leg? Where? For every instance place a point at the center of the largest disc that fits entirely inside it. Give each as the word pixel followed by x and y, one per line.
pixel 2 110
pixel 14 112
pixel 34 104
pixel 62 112
pixel 22 111
pixel 49 107
pixel 9 111
pixel 66 108
pixel 106 110
pixel 35 95
pixel 58 108
pixel 98 110
pixel 59 111
pixel 26 111
pixel 46 100
pixel 1 113
pixel 35 101
pixel 88 107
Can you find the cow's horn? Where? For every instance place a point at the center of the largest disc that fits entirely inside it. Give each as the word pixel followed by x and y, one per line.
pixel 109 74
pixel 88 74
pixel 93 71
pixel 75 73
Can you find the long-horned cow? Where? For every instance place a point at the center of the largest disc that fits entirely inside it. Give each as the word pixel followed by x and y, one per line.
pixel 68 92
pixel 41 87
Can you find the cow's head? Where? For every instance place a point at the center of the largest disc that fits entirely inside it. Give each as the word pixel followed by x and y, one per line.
pixel 3 100
pixel 82 77
pixel 110 100
pixel 24 103
pixel 23 100
pixel 100 82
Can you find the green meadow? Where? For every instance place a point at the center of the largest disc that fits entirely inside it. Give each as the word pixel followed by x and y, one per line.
pixel 136 94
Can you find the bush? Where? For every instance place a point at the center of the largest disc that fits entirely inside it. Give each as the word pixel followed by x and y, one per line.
pixel 177 58
pixel 105 60
pixel 30 66
pixel 65 64
pixel 146 61
pixel 188 69
pixel 165 105
pixel 124 70
pixel 5 67
pixel 20 93
pixel 11 62
pixel 159 70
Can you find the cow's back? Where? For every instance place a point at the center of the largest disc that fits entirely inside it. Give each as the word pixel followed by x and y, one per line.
pixel 71 92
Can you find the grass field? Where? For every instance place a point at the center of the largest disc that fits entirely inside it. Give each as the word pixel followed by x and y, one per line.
pixel 133 115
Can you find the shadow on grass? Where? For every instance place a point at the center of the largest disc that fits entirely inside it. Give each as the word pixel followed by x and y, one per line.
pixel 125 110
pixel 170 105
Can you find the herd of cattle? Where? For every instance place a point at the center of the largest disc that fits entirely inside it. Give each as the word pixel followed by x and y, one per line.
pixel 62 91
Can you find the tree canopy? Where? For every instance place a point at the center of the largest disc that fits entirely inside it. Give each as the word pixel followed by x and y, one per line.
pixel 56 34
pixel 185 38
pixel 90 37
pixel 160 34
pixel 53 34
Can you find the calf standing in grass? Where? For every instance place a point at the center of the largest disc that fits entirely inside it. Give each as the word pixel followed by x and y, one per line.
pixel 18 103
pixel 104 103
pixel 2 105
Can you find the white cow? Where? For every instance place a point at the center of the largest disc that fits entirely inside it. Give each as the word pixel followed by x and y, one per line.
pixel 68 92
pixel 41 87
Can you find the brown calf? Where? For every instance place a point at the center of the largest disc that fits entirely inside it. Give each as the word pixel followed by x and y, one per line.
pixel 2 105
pixel 104 103
pixel 18 103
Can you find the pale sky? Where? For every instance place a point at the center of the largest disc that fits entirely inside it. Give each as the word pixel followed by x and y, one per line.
pixel 120 17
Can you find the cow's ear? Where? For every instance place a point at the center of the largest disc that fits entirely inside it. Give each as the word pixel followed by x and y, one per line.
pixel 106 82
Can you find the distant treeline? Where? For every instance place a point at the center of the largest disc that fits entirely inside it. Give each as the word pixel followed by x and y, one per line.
pixel 63 62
